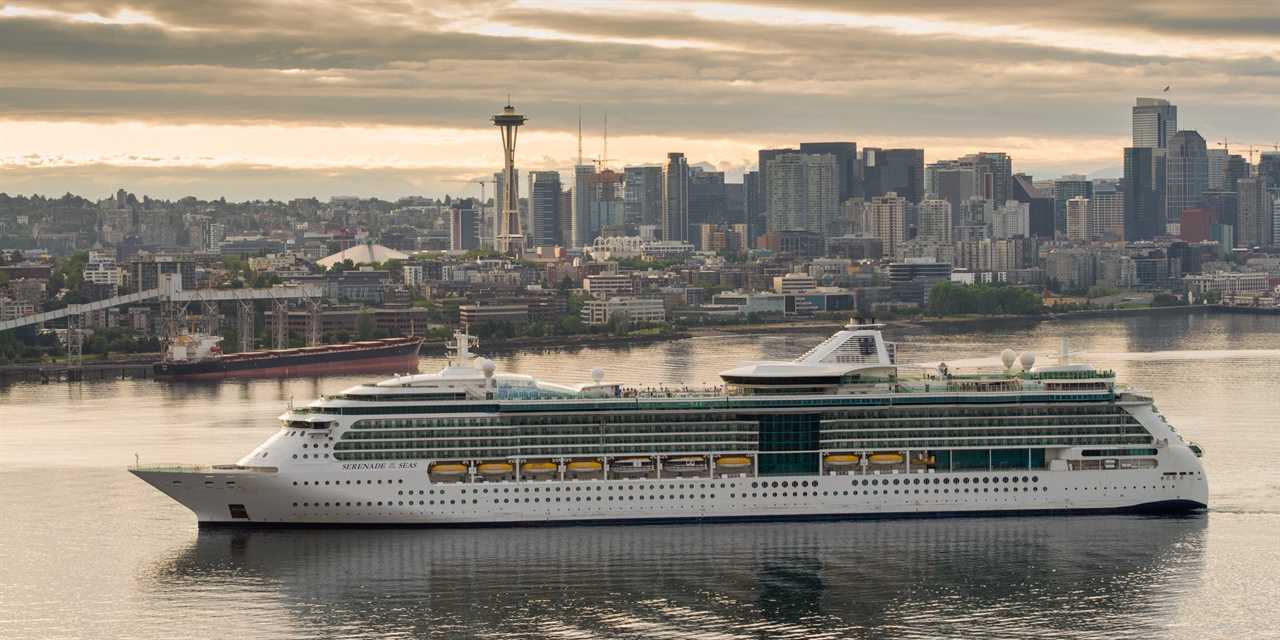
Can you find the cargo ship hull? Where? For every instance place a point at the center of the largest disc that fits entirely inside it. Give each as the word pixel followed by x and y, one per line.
pixel 391 355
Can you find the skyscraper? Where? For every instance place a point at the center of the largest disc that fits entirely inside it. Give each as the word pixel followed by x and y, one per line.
pixel 606 202
pixel 1269 168
pixel 1218 160
pixel 1186 174
pixel 888 218
pixel 544 207
pixel 1064 189
pixel 1255 213
pixel 1237 167
pixel 706 197
pixel 754 207
pixel 955 185
pixel 1143 188
pixel 1041 212
pixel 675 198
pixel 935 220
pixel 846 154
pixel 642 202
pixel 803 192
pixel 1078 224
pixel 582 191
pixel 900 171
pixel 464 225
pixel 1154 123
pixel 1106 215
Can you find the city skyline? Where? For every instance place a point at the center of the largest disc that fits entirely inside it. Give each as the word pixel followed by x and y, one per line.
pixel 255 100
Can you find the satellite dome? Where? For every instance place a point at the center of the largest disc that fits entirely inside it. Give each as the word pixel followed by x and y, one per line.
pixel 1027 359
pixel 487 366
pixel 597 374
pixel 1008 357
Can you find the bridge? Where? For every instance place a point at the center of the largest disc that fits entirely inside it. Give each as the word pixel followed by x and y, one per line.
pixel 174 304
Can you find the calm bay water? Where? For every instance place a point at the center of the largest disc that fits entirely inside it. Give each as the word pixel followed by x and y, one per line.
pixel 87 551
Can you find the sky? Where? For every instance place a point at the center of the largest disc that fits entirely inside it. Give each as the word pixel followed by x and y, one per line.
pixel 253 99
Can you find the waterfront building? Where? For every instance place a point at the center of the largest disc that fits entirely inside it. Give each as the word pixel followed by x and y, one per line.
pixel 635 310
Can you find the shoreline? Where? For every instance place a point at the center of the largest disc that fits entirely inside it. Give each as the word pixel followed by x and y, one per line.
pixel 132 367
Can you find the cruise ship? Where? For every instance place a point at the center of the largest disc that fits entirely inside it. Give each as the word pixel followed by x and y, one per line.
pixel 842 432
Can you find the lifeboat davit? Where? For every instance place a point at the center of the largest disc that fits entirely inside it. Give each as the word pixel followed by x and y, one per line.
pixel 733 462
pixel 448 469
pixel 538 468
pixel 841 460
pixel 495 468
pixel 886 458
pixel 585 466
pixel 686 462
pixel 631 466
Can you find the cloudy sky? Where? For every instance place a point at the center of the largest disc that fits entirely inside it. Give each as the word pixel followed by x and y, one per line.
pixel 284 98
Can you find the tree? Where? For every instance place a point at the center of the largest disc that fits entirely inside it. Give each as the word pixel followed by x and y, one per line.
pixel 364 325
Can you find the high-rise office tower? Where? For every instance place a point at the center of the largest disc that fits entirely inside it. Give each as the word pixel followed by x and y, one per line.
pixel 642 202
pixel 510 236
pixel 1218 160
pixel 544 207
pixel 1255 213
pixel 765 156
pixel 888 221
pixel 1186 174
pixel 900 171
pixel 1078 225
pixel 1237 167
pixel 846 154
pixel 706 197
pixel 582 175
pixel 1269 168
pixel 735 203
pixel 1154 123
pixel 1143 187
pixel 1041 212
pixel 803 192
pixel 675 198
pixel 935 220
pixel 464 225
pixel 953 184
pixel 1064 189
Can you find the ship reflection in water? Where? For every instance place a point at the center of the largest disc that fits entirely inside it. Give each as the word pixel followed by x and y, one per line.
pixel 1078 577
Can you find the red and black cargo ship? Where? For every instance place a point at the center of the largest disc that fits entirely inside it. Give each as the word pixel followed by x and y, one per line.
pixel 384 355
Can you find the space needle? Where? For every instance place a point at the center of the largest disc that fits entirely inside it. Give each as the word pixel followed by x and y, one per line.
pixel 510 237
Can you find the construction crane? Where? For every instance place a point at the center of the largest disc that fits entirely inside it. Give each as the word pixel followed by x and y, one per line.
pixel 1253 147
pixel 604 158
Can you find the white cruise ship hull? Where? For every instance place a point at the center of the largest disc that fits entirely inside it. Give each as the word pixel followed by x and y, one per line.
pixel 403 497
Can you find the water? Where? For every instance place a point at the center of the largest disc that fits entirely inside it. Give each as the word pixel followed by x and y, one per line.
pixel 86 550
